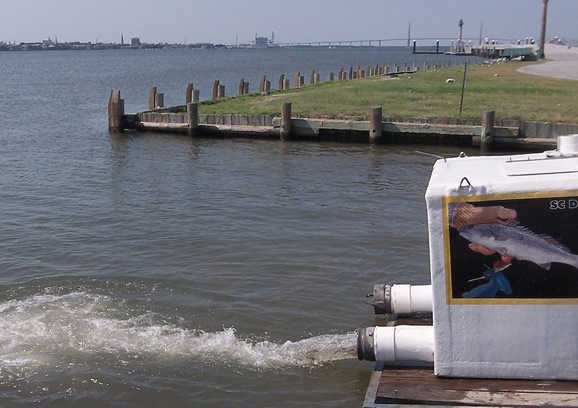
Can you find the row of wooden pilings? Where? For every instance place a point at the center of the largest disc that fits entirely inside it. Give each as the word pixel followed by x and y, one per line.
pixel 116 114
pixel 284 82
pixel 156 99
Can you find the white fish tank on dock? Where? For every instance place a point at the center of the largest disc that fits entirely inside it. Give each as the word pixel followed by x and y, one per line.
pixel 503 233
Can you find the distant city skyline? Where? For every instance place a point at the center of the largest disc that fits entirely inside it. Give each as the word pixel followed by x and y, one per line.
pixel 231 21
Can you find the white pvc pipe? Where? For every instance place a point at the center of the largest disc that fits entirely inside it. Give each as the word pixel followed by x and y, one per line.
pixel 408 299
pixel 403 343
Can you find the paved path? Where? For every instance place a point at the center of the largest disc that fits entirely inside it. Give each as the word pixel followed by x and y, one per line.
pixel 562 63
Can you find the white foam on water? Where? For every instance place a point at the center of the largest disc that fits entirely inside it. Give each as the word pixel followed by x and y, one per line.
pixel 60 330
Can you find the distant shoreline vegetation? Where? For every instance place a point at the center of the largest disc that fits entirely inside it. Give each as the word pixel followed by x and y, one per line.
pixel 49 45
pixel 75 46
pixel 136 44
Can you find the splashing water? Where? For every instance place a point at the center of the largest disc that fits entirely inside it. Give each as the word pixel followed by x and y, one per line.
pixel 58 330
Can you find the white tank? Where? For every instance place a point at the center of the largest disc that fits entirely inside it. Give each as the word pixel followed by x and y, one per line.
pixel 503 235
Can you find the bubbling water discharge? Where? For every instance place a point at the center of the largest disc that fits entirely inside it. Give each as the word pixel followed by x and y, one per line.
pixel 46 330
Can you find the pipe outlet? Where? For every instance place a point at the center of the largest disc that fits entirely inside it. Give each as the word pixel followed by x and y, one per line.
pixel 396 343
pixel 402 299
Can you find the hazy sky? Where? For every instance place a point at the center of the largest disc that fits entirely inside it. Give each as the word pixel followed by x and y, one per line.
pixel 220 21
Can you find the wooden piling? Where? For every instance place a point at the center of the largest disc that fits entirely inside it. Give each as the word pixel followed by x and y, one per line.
pixel 282 82
pixel 216 89
pixel 160 100
pixel 152 98
pixel 262 84
pixel 487 136
pixel 331 76
pixel 115 111
pixel 189 93
pixel 221 92
pixel 246 88
pixel 196 95
pixel 317 77
pixel 350 76
pixel 285 131
pixel 267 87
pixel 302 81
pixel 375 119
pixel 287 84
pixel 192 118
pixel 297 79
pixel 241 90
pixel 121 115
pixel 312 80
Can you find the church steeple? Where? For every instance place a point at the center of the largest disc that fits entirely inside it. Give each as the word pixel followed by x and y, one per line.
pixel 122 39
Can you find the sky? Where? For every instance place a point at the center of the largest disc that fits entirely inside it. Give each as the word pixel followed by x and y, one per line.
pixel 225 21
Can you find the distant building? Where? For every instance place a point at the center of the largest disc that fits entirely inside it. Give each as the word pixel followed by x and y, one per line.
pixel 135 42
pixel 261 41
pixel 264 42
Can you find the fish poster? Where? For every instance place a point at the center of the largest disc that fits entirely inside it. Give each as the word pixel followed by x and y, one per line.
pixel 511 248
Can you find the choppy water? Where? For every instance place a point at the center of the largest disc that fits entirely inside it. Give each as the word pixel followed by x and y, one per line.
pixel 155 270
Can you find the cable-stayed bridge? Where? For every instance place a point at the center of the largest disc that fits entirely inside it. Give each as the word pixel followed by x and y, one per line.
pixel 383 42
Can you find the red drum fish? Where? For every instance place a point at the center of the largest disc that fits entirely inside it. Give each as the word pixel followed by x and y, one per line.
pixel 519 242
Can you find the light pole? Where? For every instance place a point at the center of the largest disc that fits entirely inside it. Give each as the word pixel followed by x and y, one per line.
pixel 541 53
pixel 460 44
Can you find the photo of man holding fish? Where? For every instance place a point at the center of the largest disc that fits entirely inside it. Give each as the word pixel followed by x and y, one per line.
pixel 513 248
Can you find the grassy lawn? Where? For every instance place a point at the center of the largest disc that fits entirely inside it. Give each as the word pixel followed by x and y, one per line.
pixel 499 87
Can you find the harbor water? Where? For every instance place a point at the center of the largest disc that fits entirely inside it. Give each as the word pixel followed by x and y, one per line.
pixel 159 270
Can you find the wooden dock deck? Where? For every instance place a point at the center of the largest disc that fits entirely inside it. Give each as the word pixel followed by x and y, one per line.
pixel 392 386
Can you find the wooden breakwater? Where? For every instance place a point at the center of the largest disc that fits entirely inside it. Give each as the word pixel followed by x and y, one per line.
pixel 487 132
